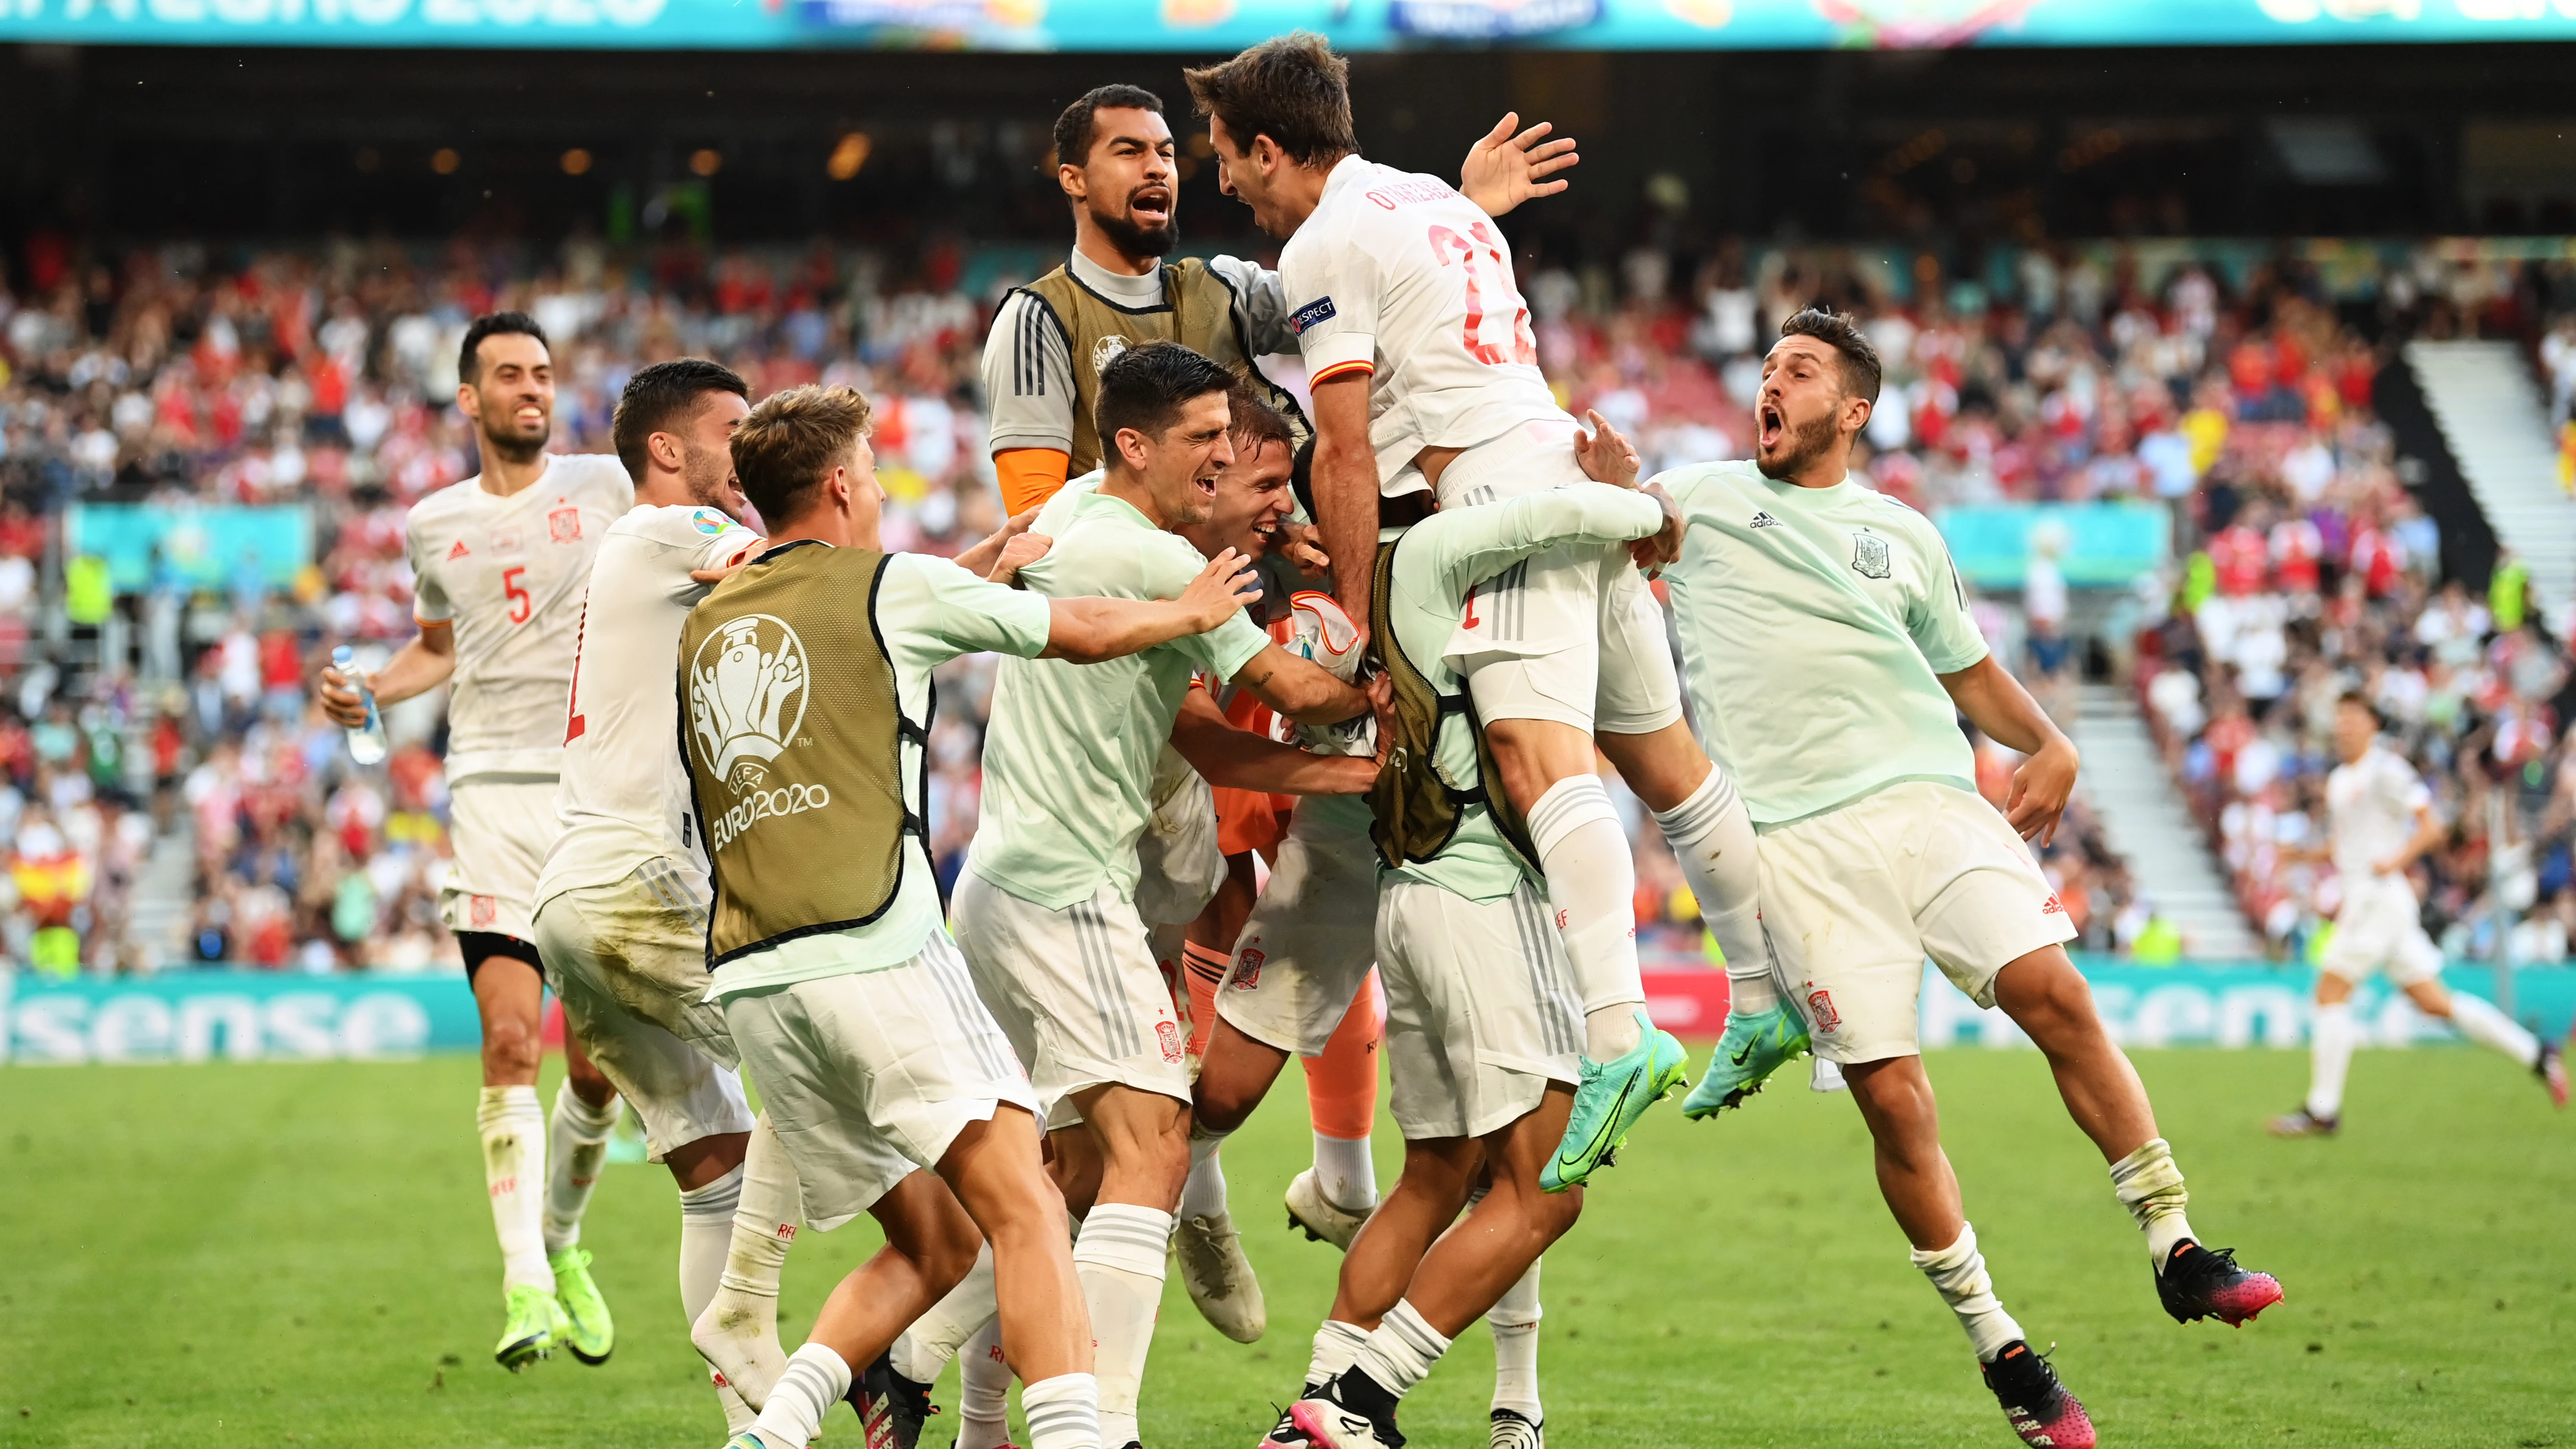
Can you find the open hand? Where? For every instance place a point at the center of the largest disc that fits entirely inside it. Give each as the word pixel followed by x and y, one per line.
pixel 1507 168
pixel 1605 454
pixel 1302 546
pixel 1226 585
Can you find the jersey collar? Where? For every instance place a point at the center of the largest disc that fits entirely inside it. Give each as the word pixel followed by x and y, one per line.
pixel 1142 292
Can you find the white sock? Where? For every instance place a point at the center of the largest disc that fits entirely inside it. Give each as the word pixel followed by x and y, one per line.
pixel 706 1228
pixel 576 1145
pixel 738 1415
pixel 1959 1273
pixel 2150 1187
pixel 1400 1354
pixel 514 1162
pixel 2331 1037
pixel 1064 1412
pixel 1711 834
pixel 1592 884
pixel 1337 1346
pixel 1514 1320
pixel 983 1391
pixel 935 1337
pixel 1346 1172
pixel 1119 1256
pixel 2479 1021
pixel 1203 1192
pixel 815 1380
pixel 737 1330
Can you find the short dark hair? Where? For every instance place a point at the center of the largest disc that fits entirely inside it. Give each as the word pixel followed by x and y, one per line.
pixel 1077 127
pixel 1860 369
pixel 1291 88
pixel 794 437
pixel 469 366
pixel 660 397
pixel 1255 422
pixel 1146 387
pixel 2361 701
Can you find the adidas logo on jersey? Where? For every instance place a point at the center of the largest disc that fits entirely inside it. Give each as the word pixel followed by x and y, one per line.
pixel 458 551
pixel 1764 520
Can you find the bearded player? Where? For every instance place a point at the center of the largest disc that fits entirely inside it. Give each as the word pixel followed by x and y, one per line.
pixel 1839 610
pixel 1425 378
pixel 500 561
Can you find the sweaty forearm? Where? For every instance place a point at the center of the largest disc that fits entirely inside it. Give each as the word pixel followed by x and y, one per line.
pixel 415 669
pixel 1088 631
pixel 1238 759
pixel 1346 487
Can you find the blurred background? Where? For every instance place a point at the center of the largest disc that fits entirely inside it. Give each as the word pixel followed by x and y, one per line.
pixel 2231 344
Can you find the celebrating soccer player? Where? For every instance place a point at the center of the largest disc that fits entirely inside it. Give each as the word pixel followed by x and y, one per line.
pixel 500 561
pixel 1830 652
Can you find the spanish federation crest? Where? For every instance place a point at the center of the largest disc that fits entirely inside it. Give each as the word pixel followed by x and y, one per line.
pixel 747 691
pixel 1869 556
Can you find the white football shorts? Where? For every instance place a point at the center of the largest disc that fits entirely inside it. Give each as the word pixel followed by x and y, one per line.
pixel 869 1077
pixel 2381 928
pixel 1571 634
pixel 629 961
pixel 500 828
pixel 1310 942
pixel 1076 991
pixel 1482 1011
pixel 1855 898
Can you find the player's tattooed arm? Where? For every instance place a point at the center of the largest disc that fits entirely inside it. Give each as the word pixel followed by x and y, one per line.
pixel 1087 631
pixel 1996 703
pixel 985 559
pixel 1509 166
pixel 1238 759
pixel 1300 688
pixel 416 668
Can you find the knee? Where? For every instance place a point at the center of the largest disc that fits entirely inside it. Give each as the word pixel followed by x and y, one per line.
pixel 1167 1153
pixel 945 1257
pixel 511 1046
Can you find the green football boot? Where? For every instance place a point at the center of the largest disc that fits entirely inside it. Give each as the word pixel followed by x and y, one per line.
pixel 535 1326
pixel 1756 1044
pixel 1613 1095
pixel 590 1333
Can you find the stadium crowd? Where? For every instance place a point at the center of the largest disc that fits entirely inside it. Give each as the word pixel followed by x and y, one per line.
pixel 2237 394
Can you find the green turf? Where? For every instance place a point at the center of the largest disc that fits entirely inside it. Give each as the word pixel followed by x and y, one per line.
pixel 263 1255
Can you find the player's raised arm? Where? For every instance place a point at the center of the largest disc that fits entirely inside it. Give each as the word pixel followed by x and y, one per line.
pixel 1087 631
pixel 1509 166
pixel 1346 487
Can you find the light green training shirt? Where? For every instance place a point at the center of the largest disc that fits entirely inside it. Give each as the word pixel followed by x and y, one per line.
pixel 1437 562
pixel 1814 625
pixel 929 611
pixel 1069 755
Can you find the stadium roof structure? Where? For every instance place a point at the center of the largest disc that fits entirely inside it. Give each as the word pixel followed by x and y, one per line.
pixel 1202 26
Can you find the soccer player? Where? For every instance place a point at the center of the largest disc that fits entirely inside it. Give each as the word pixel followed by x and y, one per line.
pixel 1044 910
pixel 1050 339
pixel 805 680
pixel 499 563
pixel 2383 822
pixel 1830 652
pixel 1425 378
pixel 1483 1022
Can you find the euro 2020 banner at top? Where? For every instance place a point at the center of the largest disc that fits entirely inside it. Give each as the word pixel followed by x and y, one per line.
pixel 1216 26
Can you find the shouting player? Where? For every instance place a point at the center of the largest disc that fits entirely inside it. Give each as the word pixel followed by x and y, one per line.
pixel 2382 821
pixel 1425 379
pixel 1050 339
pixel 1830 653
pixel 499 563
pixel 1045 910
pixel 806 683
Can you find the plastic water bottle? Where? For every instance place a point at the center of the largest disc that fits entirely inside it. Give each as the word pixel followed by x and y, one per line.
pixel 366 741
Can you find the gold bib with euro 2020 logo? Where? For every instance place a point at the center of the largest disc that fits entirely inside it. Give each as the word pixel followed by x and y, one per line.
pixel 793 733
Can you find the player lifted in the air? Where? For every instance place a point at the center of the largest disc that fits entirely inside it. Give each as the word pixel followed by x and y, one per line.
pixel 1484 1026
pixel 1044 910
pixel 1425 379
pixel 1830 651
pixel 499 563
pixel 2381 822
pixel 805 685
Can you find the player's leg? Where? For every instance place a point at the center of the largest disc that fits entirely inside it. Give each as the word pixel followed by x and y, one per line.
pixel 508 998
pixel 1516 1417
pixel 2418 971
pixel 1120 1252
pixel 1044 1319
pixel 1219 1277
pixel 737 1329
pixel 984 1391
pixel 1341 1102
pixel 2333 1034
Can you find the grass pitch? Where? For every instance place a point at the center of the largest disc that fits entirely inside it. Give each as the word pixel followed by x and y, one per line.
pixel 269 1255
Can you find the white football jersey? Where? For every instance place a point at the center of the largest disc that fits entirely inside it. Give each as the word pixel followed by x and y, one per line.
pixel 624 798
pixel 1397 274
pixel 2372 803
pixel 508 573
